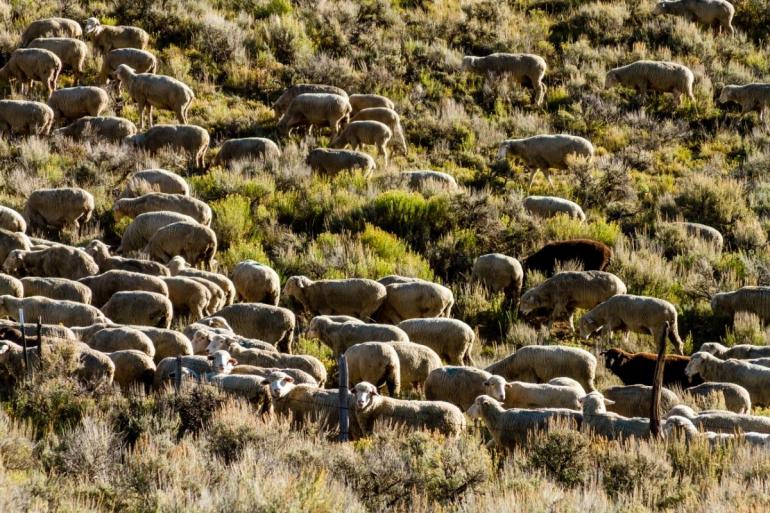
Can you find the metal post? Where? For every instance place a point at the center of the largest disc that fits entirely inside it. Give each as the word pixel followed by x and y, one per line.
pixel 40 343
pixel 178 375
pixel 657 384
pixel 343 391
pixel 24 341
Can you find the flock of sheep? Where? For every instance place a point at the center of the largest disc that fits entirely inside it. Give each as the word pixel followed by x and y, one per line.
pixel 396 333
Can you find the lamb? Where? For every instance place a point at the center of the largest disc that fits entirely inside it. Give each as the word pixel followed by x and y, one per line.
pixel 451 339
pixel 416 362
pixel 315 109
pixel 662 76
pixel 248 148
pixel 195 242
pixel 106 262
pixel 154 180
pixel 562 293
pixel 188 296
pixel 162 202
pixel 546 152
pixel 51 311
pixel 139 307
pixel 640 314
pixel 591 255
pixel 754 378
pixel 519 394
pixel 11 220
pixel 723 421
pixel 92 367
pixel 636 400
pixel 357 133
pixel 375 362
pixel 55 261
pixel 751 97
pixel 736 398
pixel 331 162
pixel 526 69
pixel 738 352
pixel 149 90
pixel 416 299
pixel 755 300
pixel 72 103
pixel 510 428
pixel 51 27
pixel 272 324
pixel 539 364
pixel 386 116
pixel 144 226
pixel 597 420
pixel 256 283
pixel 429 180
pixel 707 12
pixel 371 407
pixel 356 297
pixel 499 273
pixel 10 286
pixel 106 38
pixel 104 286
pixel 109 128
pixel 71 52
pixel 19 117
pixel 58 209
pixel 262 358
pixel 359 102
pixel 56 288
pixel 10 241
pixel 701 231
pixel 133 367
pixel 32 64
pixel 339 336
pixel 141 61
pixel 121 338
pixel 184 138
pixel 457 385
pixel 639 368
pixel 549 206
pixel 179 267
pixel 282 103
pixel 304 402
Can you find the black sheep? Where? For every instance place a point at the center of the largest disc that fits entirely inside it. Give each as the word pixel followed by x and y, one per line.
pixel 639 368
pixel 593 255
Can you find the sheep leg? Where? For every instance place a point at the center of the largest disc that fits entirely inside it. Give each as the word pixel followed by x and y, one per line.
pixel 180 115
pixel 149 113
pixel 532 178
pixel 382 149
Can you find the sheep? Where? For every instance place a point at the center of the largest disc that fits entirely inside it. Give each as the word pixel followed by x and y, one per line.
pixel 738 352
pixel 751 97
pixel 639 368
pixel 662 76
pixel 597 420
pixel 416 299
pixel 149 90
pixel 166 369
pixel 451 339
pixel 272 324
pixel 282 103
pixel 356 297
pixel 304 402
pixel 184 138
pixel 103 286
pixel 519 394
pixel 144 226
pixel 331 161
pixel 300 377
pixel 251 388
pixel 11 220
pixel 457 385
pixel 162 202
pixel 10 286
pixel 55 261
pixel 71 52
pixel 736 398
pixel 109 128
pixel 59 208
pixel 315 109
pixel 526 69
pixel 20 117
pixel 755 300
pixel 51 311
pixel 217 296
pixel 206 339
pixel 677 423
pixel 395 278
pixel 211 324
pixel 179 267
pixel 339 336
pixel 121 338
pixel 56 288
pixel 549 206
pixel 188 296
pixel 701 231
pixel 51 27
pixel 374 362
pixel 248 148
pixel 640 314
pixel 636 400
pixel 72 103
pixel 707 12
pixel 386 116
pixel 139 307
pixel 426 180
pixel 10 241
pixel 106 38
pixel 446 418
pixel 262 358
pixel 562 293
pixel 510 428
pixel 167 342
pixel 546 152
pixel 133 367
pixel 754 378
pixel 195 242
pixel 32 64
pixel 539 364
pixel 100 252
pixel 416 362
pixel 359 102
pixel 154 180
pixel 590 254
pixel 141 61
pixel 256 283
pixel 722 421
pixel 499 273
pixel 357 133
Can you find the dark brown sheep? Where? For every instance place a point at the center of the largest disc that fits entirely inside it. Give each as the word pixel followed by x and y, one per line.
pixel 639 368
pixel 593 255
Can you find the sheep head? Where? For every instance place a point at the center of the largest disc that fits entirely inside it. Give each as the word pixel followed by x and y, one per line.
pixel 293 290
pixel 280 384
pixel 495 387
pixel 222 362
pixel 480 405
pixel 468 63
pixel 594 403
pixel 530 301
pixel 695 365
pixel 727 94
pixel 612 78
pixel 365 395
pixel 92 24
pixel 176 264
pixel 589 326
pixel 14 262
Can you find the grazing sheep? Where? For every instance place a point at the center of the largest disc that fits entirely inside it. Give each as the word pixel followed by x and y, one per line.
pixel 357 133
pixel 722 421
pixel 546 152
pixel 754 300
pixel 563 292
pixel 415 299
pixel 10 286
pixel 214 325
pixel 141 61
pixel 371 407
pixel 416 362
pixel 53 331
pixel 211 340
pixel 166 369
pixel 359 102
pixel 193 241
pixel 331 162
pixel 104 285
pixel 55 261
pixel 51 311
pixel 256 283
pixel 499 273
pixel 708 12
pixel 590 254
pixel 51 27
pixel 451 339
pixel 262 358
pixel 300 377
pixel 59 208
pixel 754 378
pixel 519 394
pixel 510 428
pixel 154 180
pixel 429 180
pixel 133 367
pixel 149 90
pixel 539 364
pixel 662 76
pixel 273 324
pixel 678 424
pixel 636 400
pixel 32 64
pixel 101 255
pixel 549 206
pixel 751 97
pixel 71 52
pixel 374 362
pixel 640 314
pixel 701 231
pixel 639 368
pixel 109 128
pixel 184 138
pixel 106 37
pixel 356 297
pixel 304 402
pixel 179 267
pixel 251 388
pixel 56 288
pixel 597 420
pixel 395 278
pixel 11 220
pixel 736 398
pixel 315 109
pixel 162 202
pixel 339 336
pixel 188 296
pixel 248 148
pixel 738 352
pixel 386 116
pixel 72 103
pixel 457 385
pixel 283 101
pixel 121 338
pixel 91 367
pixel 139 307
pixel 20 117
pixel 144 226
pixel 526 69
pixel 10 241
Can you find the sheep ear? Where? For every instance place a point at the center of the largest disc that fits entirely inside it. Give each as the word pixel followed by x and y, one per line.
pixel 602 353
pixel 376 392
pixel 210 357
pixel 608 402
pixel 288 379
pixel 265 381
pixel 232 361
pixel 486 383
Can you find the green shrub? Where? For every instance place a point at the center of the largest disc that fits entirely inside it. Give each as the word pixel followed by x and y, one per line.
pixel 232 219
pixel 563 454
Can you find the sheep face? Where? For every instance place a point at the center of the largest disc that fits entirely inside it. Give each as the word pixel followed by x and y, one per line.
pixel 694 366
pixel 469 62
pixel 176 264
pixel 14 262
pixel 482 402
pixel 714 348
pixel 293 288
pixel 495 387
pixel 530 302
pixel 91 24
pixel 594 403
pixel 727 94
pixel 589 326
pixel 314 330
pixel 612 79
pixel 503 151
pixel 613 359
pixel 213 343
pixel 280 384
pixel 222 362
pixel 365 393
pixel 97 248
pixel 678 426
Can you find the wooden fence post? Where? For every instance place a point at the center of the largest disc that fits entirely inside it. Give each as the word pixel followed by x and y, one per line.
pixel 178 374
pixel 657 383
pixel 24 341
pixel 343 392
pixel 40 343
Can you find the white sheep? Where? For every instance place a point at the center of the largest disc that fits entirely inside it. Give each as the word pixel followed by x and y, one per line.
pixel 264 358
pixel 139 232
pixel 248 148
pixel 339 336
pixel 51 311
pixel 597 420
pixel 72 103
pixel 751 97
pixel 106 37
pixel 272 324
pixel 256 283
pixel 283 101
pixel 736 398
pixel 457 385
pixel 549 206
pixel 56 288
pixel 149 90
pixel 305 403
pixel 104 285
pixel 92 367
pixel 162 202
pixel 139 307
pixel 539 364
pixel 191 139
pixel 166 369
pixel 133 367
pixel 71 52
pixel 499 273
pixel 140 61
pixel 361 102
pixel 10 241
pixel 451 339
pixel 738 352
pixel 154 180
pixel 357 133
pixel 121 338
pixel 58 209
pixel 636 400
pixel 416 362
pixel 679 424
pixel 662 76
pixel 315 109
pixel 100 252
pixel 520 394
pixel 754 378
pixel 179 267
pixel 723 421
pixel 55 261
pixel 526 69
pixel 188 297
pixel 708 12
pixel 356 297
pixel 546 152
pixel 20 117
pixel 331 161
pixel 167 342
pixel 374 362
pixel 386 116
pixel 754 300
pixel 10 286
pixel 51 27
pixel 197 243
pixel 11 220
pixel 427 180
pixel 32 64
pixel 701 231
pixel 110 128
pixel 415 299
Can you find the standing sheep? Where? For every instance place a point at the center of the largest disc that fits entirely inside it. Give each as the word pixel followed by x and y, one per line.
pixel 754 300
pixel 549 206
pixel 636 400
pixel 283 101
pixel 356 297
pixel 162 202
pixel 71 52
pixel 339 336
pixel 591 255
pixel 457 385
pixel 139 307
pixel 304 402
pixel 662 76
pixel 331 162
pixel 32 64
pixel 188 297
pixel 106 38
pixel 56 288
pixel 754 378
pixel 51 311
pixel 386 116
pixel 526 69
pixel 149 90
pixel 10 241
pixel 723 421
pixel 51 27
pixel 75 102
pixel 735 397
pixel 121 338
pixel 154 180
pixel 539 364
pixel 315 109
pixel 375 362
pixel 195 242
pixel 427 181
pixel 416 299
pixel 11 220
pixel 104 286
pixel 597 420
pixel 639 368
pixel 738 351
pixel 451 339
pixel 141 61
pixel 708 12
pixel 10 286
pixel 55 261
pixel 359 102
pixel 546 152
pixel 110 128
pixel 248 148
pixel 519 394
pixel 751 97
pixel 133 368
pixel 256 283
pixel 59 209
pixel 499 273
pixel 191 139
pixel 20 117
pixel 357 133
pixel 144 226
pixel 701 231
pixel 272 324
pixel 179 267
pixel 100 252
pixel 263 358
pixel 416 362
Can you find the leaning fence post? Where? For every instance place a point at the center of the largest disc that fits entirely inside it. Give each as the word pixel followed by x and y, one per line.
pixel 178 374
pixel 40 342
pixel 24 341
pixel 657 383
pixel 343 392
